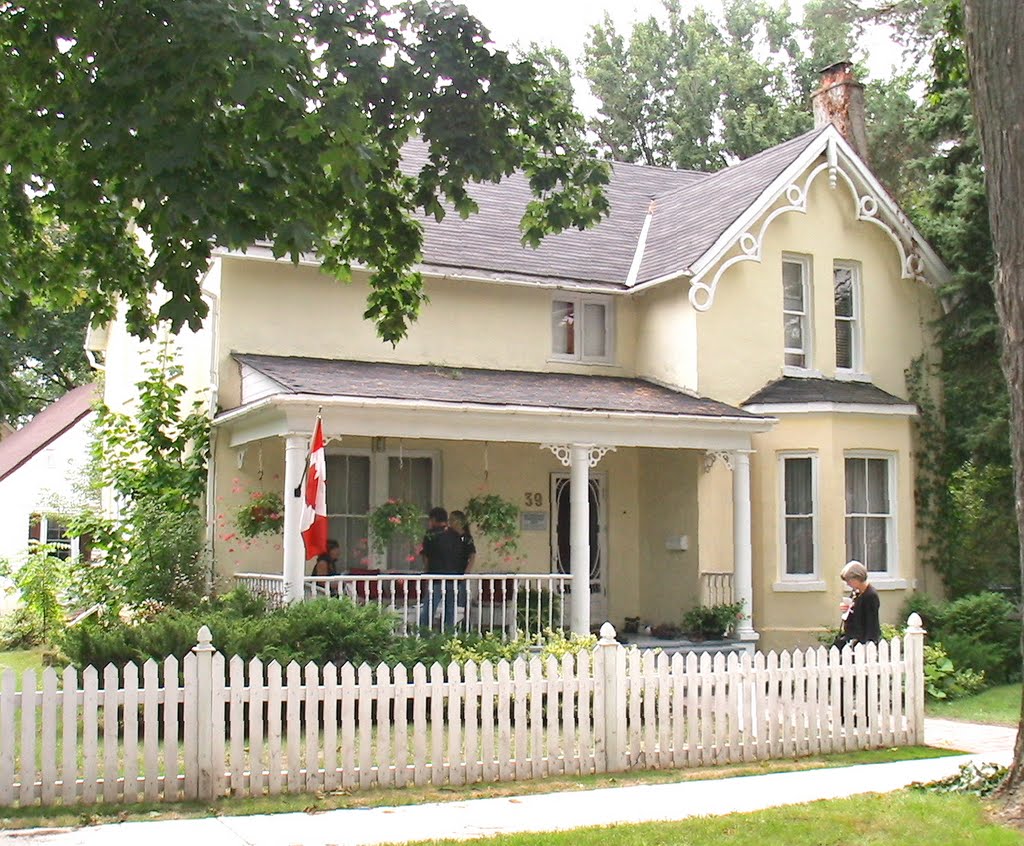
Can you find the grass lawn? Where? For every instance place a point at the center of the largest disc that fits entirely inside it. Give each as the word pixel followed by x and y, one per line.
pixel 20 660
pixel 14 818
pixel 998 705
pixel 899 819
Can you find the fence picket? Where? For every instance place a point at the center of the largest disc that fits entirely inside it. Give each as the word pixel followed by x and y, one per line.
pixel 692 679
pixel 861 695
pixel 90 734
pixel 649 703
pixel 760 708
pixel 385 695
pixel 872 713
pixel 748 699
pixel 505 772
pixel 27 768
pixel 472 706
pixel 733 685
pixel 677 674
pixel 520 690
pixel 110 739
pixel 885 694
pixel 786 696
pixel 900 680
pixel 553 678
pixel 8 683
pixel 706 710
pixel 456 762
pixel 536 694
pixel 190 743
pixel 236 724
pixel 349 776
pixel 364 705
pixel 330 723
pixel 172 696
pixel 488 754
pixel 151 731
pixel 257 730
pixel 69 741
pixel 293 725
pixel 130 722
pixel 634 719
pixel 720 735
pixel 48 744
pixel 436 724
pixel 401 698
pixel 810 659
pixel 585 699
pixel 312 721
pixel 274 704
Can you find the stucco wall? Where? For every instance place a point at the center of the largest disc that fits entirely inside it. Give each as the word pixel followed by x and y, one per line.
pixel 787 618
pixel 277 308
pixel 740 337
pixel 666 335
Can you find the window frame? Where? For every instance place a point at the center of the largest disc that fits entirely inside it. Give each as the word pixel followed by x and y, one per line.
pixel 812 579
pixel 806 265
pixel 856 368
pixel 891 571
pixel 378 481
pixel 578 301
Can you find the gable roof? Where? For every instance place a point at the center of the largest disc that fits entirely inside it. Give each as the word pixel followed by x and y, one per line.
pixel 477 386
pixel 792 389
pixel 43 429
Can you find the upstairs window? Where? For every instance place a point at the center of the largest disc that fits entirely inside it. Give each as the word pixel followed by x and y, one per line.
pixel 581 329
pixel 796 274
pixel 846 279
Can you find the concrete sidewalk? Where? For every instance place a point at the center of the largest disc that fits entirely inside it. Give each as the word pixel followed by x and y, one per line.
pixel 545 812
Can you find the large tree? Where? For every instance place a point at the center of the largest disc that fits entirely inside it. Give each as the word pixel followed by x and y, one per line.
pixel 995 32
pixel 206 124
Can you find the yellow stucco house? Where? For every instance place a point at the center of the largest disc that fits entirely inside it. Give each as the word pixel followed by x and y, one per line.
pixel 701 398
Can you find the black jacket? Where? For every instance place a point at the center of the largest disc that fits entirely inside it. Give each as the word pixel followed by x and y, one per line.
pixel 861 624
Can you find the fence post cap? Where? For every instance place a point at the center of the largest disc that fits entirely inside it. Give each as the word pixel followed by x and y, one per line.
pixel 204 640
pixel 608 634
pixel 915 625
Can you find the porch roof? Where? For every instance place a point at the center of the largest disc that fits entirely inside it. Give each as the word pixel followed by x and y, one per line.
pixel 490 404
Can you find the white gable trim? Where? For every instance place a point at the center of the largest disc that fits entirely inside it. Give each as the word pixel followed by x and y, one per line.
pixel 773 408
pixel 872 203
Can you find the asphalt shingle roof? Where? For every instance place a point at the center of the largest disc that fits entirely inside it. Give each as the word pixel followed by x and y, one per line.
pixel 457 385
pixel 691 211
pixel 49 424
pixel 790 389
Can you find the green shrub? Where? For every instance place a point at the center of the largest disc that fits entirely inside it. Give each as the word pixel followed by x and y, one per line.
pixel 535 607
pixel 711 622
pixel 941 678
pixel 20 630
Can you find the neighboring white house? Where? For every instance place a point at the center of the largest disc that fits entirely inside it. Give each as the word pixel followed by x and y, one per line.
pixel 40 463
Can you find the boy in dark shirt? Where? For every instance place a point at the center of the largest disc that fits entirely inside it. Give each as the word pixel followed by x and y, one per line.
pixel 443 554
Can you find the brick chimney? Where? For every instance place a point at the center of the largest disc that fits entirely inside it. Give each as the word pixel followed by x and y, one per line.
pixel 839 100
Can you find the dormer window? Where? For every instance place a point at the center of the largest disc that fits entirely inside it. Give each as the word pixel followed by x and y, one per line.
pixel 796 311
pixel 581 329
pixel 846 279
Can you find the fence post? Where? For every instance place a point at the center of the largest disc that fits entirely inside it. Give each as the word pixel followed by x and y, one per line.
pixel 914 659
pixel 613 680
pixel 203 716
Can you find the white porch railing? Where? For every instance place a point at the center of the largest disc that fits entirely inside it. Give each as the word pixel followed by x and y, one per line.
pixel 508 603
pixel 717 589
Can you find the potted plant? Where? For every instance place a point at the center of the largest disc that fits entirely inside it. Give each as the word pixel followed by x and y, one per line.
pixel 497 519
pixel 712 622
pixel 395 519
pixel 262 514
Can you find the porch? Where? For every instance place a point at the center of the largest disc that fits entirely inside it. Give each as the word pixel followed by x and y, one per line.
pixel 626 488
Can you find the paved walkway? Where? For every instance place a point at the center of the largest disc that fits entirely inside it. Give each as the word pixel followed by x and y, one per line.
pixel 547 812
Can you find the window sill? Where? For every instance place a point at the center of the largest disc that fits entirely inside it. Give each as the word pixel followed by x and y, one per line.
pixel 801 372
pixel 810 586
pixel 852 376
pixel 891 583
pixel 588 362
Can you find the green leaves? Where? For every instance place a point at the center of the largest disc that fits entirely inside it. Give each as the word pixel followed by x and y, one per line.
pixel 209 124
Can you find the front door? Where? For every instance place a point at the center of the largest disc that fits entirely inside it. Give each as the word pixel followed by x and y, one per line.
pixel 561 531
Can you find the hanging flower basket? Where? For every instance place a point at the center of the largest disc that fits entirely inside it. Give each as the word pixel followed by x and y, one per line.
pixel 497 519
pixel 395 519
pixel 263 514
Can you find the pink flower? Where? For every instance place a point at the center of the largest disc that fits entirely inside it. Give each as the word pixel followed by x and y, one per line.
pixel 255 495
pixel 364 561
pixel 275 516
pixel 392 502
pixel 395 519
pixel 231 549
pixel 229 536
pixel 508 558
pixel 411 558
pixel 220 516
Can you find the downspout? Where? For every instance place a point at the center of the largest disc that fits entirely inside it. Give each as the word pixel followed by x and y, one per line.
pixel 211 476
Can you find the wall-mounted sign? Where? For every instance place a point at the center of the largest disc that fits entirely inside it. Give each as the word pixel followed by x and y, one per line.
pixel 533 521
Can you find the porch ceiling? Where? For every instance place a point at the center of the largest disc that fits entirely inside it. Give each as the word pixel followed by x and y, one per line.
pixel 281 395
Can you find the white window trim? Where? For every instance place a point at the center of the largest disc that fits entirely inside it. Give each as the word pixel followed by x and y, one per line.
pixel 856 373
pixel 379 478
pixel 74 544
pixel 799 581
pixel 578 301
pixel 890 578
pixel 806 269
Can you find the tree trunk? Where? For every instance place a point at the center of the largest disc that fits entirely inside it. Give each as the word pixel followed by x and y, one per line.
pixel 995 50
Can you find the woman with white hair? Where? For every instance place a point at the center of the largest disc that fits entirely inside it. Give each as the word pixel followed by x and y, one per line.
pixel 860 621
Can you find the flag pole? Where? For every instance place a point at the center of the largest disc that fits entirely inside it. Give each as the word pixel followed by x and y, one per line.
pixel 305 464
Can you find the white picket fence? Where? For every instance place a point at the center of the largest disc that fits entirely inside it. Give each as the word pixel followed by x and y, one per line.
pixel 247 729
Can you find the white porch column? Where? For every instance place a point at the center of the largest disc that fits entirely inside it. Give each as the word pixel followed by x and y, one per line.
pixel 579 458
pixel 743 566
pixel 293 566
pixel 579 538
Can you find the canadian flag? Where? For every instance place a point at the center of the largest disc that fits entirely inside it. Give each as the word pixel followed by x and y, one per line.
pixel 314 509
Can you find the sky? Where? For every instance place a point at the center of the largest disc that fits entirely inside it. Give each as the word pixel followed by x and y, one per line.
pixel 565 23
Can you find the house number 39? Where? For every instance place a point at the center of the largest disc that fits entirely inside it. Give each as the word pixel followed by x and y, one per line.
pixel 534 500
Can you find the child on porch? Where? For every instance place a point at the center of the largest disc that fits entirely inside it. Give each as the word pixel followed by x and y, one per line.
pixel 442 551
pixel 460 525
